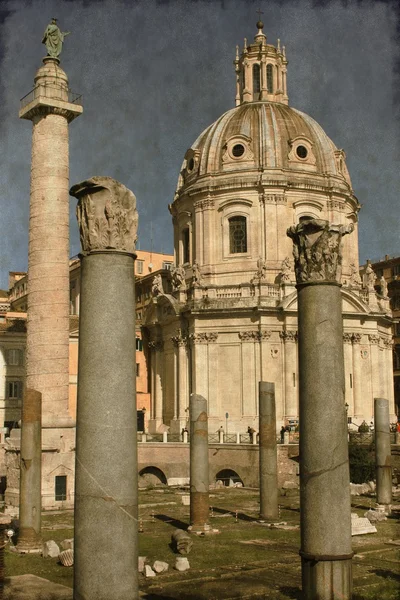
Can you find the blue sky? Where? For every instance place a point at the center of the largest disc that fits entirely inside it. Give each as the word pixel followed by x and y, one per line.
pixel 155 74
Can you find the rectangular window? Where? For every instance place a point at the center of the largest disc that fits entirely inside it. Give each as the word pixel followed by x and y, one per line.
pixel 139 267
pixel 137 369
pixel 167 265
pixel 60 487
pixel 14 390
pixel 14 357
pixel 351 380
pixel 186 245
pixel 237 235
pixel 139 344
pixel 396 270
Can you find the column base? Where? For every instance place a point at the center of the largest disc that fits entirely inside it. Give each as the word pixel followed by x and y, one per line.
pixel 153 425
pixel 326 579
pixel 29 542
pixel 176 425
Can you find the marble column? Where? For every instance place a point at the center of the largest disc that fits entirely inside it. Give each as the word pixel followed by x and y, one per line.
pixel 29 538
pixel 382 452
pixel 325 522
pixel 105 538
pixel 199 477
pixel 268 452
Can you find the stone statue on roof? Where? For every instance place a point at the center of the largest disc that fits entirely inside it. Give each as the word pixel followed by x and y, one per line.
pixel 53 38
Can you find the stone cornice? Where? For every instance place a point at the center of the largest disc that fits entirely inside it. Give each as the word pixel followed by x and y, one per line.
pixel 42 107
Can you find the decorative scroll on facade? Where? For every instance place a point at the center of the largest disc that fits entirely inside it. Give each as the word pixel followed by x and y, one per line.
pixel 107 215
pixel 317 250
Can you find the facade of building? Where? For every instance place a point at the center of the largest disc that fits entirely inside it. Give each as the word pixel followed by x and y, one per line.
pixel 387 284
pixel 231 319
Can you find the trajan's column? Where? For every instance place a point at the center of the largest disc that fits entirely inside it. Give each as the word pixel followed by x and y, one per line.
pixel 51 107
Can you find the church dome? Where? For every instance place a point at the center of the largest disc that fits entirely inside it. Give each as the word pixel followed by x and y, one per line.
pixel 270 137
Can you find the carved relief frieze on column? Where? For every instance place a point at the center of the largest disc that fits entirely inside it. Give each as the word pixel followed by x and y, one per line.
pixel 111 222
pixel 317 250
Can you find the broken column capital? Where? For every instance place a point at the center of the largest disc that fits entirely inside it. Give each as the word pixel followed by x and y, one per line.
pixel 317 250
pixel 107 215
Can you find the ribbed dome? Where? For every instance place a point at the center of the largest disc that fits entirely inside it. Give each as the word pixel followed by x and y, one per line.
pixel 272 136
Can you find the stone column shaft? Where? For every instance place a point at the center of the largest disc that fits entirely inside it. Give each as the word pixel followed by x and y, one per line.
pixel 357 379
pixel 106 494
pixel 199 477
pixel 382 451
pixel 29 537
pixel 324 467
pixel 182 381
pixel 325 507
pixel 268 452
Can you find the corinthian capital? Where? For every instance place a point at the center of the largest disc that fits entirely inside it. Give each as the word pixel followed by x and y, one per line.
pixel 107 215
pixel 317 250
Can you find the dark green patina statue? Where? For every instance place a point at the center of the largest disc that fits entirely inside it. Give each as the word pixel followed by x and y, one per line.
pixel 53 38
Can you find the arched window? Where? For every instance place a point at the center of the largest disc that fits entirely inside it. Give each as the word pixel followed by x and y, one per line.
pixel 270 80
pixel 237 235
pixel 256 81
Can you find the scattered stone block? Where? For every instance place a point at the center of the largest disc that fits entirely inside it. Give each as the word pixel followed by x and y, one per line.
pixel 181 541
pixel 160 566
pixel 361 525
pixel 290 485
pixel 141 563
pixel 148 571
pixel 182 563
pixel 375 515
pixel 66 557
pixel 67 544
pixel 186 500
pixel 50 549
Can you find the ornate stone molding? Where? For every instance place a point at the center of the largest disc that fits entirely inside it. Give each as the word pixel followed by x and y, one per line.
pixel 203 337
pixel 373 338
pixel 254 336
pixel 356 338
pixel 204 204
pixel 273 199
pixel 288 336
pixel 347 338
pixel 387 342
pixel 107 215
pixel 179 339
pixel 156 345
pixel 317 250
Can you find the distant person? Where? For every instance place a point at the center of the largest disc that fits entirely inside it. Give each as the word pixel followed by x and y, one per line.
pixel 282 434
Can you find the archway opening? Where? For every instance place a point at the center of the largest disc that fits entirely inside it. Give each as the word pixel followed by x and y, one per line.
pixel 151 477
pixel 229 478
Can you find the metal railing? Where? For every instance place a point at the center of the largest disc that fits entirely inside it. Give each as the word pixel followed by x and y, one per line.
pixel 56 92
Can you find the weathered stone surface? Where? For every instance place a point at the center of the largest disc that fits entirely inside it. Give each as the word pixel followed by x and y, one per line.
pixel 160 566
pixel 148 571
pixel 50 549
pixel 199 477
pixel 66 557
pixel 30 587
pixel 375 515
pixel 186 500
pixel 268 463
pixel 141 563
pixel 361 525
pixel 106 214
pixel 181 541
pixel 356 489
pixel 290 485
pixel 67 544
pixel 182 563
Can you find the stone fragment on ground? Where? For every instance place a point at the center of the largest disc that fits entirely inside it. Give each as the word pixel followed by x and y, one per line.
pixel 160 566
pixel 66 557
pixel 181 541
pixel 375 515
pixel 50 549
pixel 141 563
pixel 148 571
pixel 182 563
pixel 67 544
pixel 356 489
pixel 361 525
